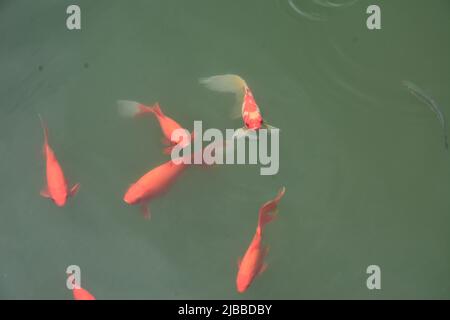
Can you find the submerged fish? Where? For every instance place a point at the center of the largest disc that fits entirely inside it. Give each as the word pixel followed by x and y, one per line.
pixel 252 264
pixel 419 93
pixel 249 110
pixel 82 294
pixel 167 124
pixel 152 184
pixel 56 188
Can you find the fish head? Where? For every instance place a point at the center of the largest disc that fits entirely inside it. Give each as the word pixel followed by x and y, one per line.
pixel 60 199
pixel 254 123
pixel 253 120
pixel 131 196
pixel 242 283
pixel 245 276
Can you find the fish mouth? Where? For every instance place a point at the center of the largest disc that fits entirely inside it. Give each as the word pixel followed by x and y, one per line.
pixel 59 203
pixel 241 288
pixel 254 126
pixel 127 201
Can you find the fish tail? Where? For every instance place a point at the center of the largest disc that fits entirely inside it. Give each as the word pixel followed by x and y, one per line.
pixel 45 129
pixel 156 109
pixel 268 211
pixel 225 83
pixel 132 109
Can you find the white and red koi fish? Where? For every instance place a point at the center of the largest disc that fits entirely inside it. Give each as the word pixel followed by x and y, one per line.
pixel 153 183
pixel 249 110
pixel 252 264
pixel 167 124
pixel 56 188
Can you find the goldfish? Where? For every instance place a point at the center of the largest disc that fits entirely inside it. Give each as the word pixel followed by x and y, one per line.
pixel 82 294
pixel 153 183
pixel 252 264
pixel 248 110
pixel 168 125
pixel 56 188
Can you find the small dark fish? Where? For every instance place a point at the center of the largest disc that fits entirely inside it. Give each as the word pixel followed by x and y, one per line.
pixel 419 93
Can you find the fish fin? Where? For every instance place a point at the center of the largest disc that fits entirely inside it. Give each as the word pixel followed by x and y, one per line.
pixel 225 83
pixel 132 109
pixel 168 150
pixel 73 191
pixel 265 251
pixel 263 268
pixel 236 110
pixel 244 132
pixel 44 149
pixel 239 261
pixel 165 141
pixel 45 129
pixel 127 108
pixel 228 83
pixel 145 211
pixel 156 109
pixel 268 211
pixel 44 193
pixel 268 126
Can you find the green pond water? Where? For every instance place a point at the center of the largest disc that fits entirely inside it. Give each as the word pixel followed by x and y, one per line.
pixel 366 173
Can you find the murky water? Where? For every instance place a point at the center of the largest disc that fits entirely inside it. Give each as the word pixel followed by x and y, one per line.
pixel 366 173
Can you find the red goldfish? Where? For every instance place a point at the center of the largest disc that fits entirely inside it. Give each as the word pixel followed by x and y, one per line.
pixel 82 294
pixel 152 184
pixel 167 124
pixel 249 110
pixel 56 188
pixel 252 264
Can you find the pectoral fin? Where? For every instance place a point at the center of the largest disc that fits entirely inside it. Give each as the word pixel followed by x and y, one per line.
pixel 44 193
pixel 236 110
pixel 168 150
pixel 73 191
pixel 268 126
pixel 145 211
pixel 262 269
pixel 165 141
pixel 244 132
pixel 265 251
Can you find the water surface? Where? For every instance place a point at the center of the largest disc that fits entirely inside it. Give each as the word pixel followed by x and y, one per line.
pixel 366 173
